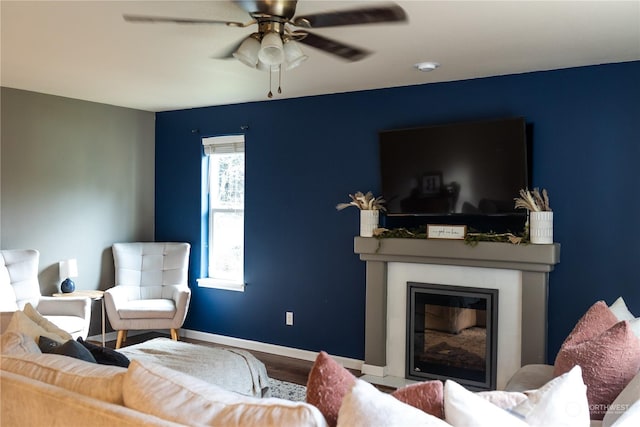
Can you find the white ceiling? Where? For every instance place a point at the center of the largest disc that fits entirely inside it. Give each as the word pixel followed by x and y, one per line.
pixel 85 50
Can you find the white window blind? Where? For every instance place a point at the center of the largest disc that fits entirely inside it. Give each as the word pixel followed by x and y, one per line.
pixel 223 144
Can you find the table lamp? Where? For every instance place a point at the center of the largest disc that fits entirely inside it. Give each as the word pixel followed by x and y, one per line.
pixel 68 269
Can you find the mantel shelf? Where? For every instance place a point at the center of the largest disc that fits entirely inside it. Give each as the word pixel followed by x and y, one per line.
pixel 529 257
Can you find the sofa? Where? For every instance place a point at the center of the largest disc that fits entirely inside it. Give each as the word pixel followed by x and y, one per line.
pixel 58 389
pixel 41 389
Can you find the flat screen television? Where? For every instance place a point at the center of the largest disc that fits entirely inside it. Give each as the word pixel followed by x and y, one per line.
pixel 455 170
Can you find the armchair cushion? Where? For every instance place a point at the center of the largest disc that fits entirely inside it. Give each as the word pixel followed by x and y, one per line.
pixel 148 309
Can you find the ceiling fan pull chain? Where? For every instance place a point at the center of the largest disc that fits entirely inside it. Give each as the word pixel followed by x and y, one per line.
pixel 280 78
pixel 270 94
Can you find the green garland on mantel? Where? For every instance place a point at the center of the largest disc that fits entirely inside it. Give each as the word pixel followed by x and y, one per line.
pixel 472 238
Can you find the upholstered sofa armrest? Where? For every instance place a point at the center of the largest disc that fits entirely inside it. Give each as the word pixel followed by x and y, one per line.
pixel 65 306
pixel 530 377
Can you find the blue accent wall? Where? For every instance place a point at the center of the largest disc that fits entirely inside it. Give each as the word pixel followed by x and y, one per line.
pixel 304 155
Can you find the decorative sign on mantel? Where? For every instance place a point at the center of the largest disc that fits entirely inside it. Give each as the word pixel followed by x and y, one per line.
pixel 453 232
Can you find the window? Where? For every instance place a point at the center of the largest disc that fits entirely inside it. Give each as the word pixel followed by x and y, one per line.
pixel 225 187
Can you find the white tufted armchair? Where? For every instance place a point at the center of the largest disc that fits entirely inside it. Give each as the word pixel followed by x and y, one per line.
pixel 19 285
pixel 151 288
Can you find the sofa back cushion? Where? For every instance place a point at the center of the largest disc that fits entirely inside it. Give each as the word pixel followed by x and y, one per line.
pixel 181 398
pixel 98 381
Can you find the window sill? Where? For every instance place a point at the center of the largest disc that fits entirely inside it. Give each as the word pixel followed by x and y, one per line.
pixel 208 282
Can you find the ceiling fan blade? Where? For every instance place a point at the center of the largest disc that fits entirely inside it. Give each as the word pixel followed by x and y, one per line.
pixel 364 15
pixel 344 51
pixel 155 19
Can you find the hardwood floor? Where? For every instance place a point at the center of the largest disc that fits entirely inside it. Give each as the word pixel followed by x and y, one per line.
pixel 279 367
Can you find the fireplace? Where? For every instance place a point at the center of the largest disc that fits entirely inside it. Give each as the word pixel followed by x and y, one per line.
pixel 452 334
pixel 519 272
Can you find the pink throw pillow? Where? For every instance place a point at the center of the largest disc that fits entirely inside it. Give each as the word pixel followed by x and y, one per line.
pixel 608 353
pixel 427 396
pixel 595 321
pixel 327 385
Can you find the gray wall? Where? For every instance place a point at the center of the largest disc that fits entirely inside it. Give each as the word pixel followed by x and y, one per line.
pixel 76 177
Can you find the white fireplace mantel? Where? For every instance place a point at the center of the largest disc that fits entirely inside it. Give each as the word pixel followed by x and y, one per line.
pixel 534 262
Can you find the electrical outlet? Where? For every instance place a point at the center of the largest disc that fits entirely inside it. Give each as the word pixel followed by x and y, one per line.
pixel 289 318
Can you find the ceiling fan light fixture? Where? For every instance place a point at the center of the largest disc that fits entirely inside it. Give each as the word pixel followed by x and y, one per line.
pixel 247 53
pixel 264 67
pixel 293 54
pixel 271 51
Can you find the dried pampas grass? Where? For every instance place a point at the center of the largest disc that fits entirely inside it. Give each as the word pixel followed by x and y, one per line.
pixel 534 201
pixel 364 202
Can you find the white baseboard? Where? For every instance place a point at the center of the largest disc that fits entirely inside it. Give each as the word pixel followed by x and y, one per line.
pixel 267 348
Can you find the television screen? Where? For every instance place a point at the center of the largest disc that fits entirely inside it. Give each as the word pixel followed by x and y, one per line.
pixel 474 168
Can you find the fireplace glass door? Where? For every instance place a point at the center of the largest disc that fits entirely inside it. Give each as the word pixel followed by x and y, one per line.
pixel 452 334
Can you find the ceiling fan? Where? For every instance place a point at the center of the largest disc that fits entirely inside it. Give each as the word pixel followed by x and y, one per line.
pixel 274 44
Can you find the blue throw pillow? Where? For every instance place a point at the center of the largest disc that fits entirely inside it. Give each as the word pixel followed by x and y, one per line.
pixel 104 355
pixel 70 348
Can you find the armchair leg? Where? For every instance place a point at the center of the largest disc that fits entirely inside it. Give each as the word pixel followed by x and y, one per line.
pixel 174 335
pixel 122 336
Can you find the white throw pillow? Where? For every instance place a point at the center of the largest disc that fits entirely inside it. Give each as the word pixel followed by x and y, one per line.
pixel 560 402
pixel 366 406
pixel 463 408
pixel 46 324
pixel 20 322
pixel 621 311
pixel 175 396
pixel 12 342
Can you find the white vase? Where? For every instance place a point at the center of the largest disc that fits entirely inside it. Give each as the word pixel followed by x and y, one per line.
pixel 541 227
pixel 368 222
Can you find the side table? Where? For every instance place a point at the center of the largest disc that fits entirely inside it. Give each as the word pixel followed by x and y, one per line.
pixel 95 296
